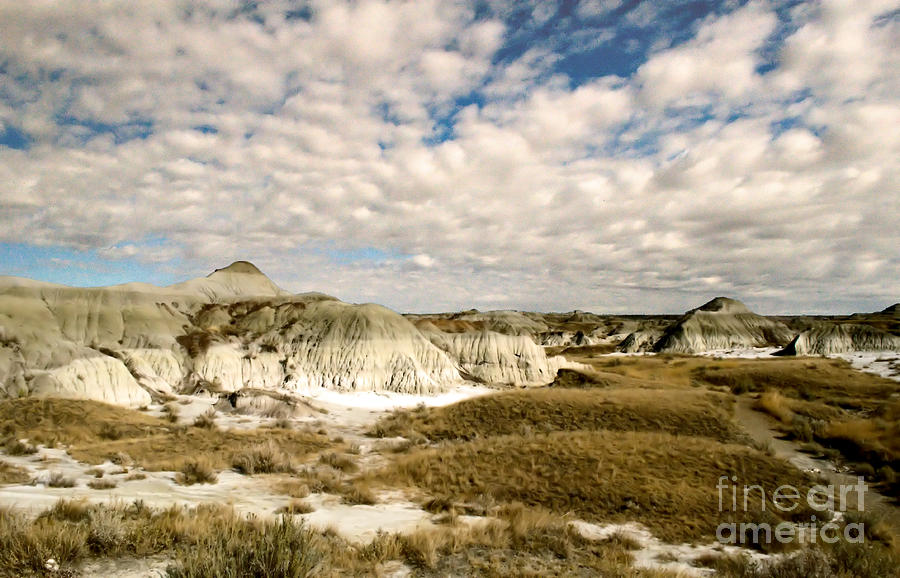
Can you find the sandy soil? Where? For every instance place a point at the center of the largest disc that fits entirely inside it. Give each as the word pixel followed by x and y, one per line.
pixel 347 416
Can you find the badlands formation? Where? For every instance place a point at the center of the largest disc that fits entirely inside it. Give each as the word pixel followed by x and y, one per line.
pixel 236 331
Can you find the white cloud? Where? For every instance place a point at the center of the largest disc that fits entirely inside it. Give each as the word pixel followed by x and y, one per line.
pixel 611 194
pixel 721 59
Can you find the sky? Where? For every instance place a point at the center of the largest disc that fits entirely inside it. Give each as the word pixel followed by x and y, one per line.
pixel 614 156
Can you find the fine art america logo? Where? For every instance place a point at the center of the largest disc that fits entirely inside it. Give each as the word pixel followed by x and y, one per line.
pixel 831 500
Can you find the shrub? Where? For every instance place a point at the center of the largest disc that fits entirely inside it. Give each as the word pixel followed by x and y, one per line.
pixel 108 532
pixel 338 462
pixel 776 405
pixel 206 420
pixel 59 480
pixel 283 549
pixel 357 494
pixel 296 507
pixel 263 459
pixel 10 474
pixel 102 484
pixel 196 471
pixel 110 431
pixel 16 448
pixel 68 511
pixel 887 475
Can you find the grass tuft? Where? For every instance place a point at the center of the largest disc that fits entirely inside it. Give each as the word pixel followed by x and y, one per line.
pixel 59 480
pixel 262 459
pixel 197 471
pixel 102 484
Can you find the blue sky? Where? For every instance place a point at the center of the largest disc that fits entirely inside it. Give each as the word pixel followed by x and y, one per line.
pixel 609 155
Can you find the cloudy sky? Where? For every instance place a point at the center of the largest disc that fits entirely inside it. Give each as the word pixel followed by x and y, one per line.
pixel 608 155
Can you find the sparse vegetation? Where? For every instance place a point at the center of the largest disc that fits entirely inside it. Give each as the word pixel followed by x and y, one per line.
pixel 666 482
pixel 11 474
pixel 206 420
pixel 339 462
pixel 262 459
pixel 196 471
pixel 102 484
pixel 14 447
pixel 359 494
pixel 682 412
pixel 284 548
pixel 60 480
pixel 295 507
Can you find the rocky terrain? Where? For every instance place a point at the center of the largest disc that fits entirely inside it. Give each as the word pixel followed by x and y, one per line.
pixel 236 331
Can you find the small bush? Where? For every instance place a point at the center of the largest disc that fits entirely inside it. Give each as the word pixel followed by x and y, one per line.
pixel 357 494
pixel 887 475
pixel 283 549
pixel 338 462
pixel 206 420
pixel 196 471
pixel 263 459
pixel 296 507
pixel 59 480
pixel 108 532
pixel 865 469
pixel 16 448
pixel 109 431
pixel 136 476
pixel 320 481
pixel 102 484
pixel 10 474
pixel 68 511
pixel 776 405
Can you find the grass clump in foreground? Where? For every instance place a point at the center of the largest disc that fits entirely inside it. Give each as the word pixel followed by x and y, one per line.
pixel 284 548
pixel 214 541
pixel 674 411
pixel 205 542
pixel 666 482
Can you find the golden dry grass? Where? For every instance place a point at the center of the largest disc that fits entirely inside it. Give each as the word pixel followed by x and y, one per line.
pixel 222 448
pixel 831 381
pixel 12 474
pixel 666 482
pixel 684 412
pixel 85 427
pixel 48 420
pixel 776 405
pixel 213 541
pixel 516 541
pixel 874 439
pixel 816 400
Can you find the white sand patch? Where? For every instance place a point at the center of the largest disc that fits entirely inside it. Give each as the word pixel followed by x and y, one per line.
pixel 363 408
pixel 387 400
pixel 740 353
pixel 883 363
pixel 656 554
pixel 360 523
pixel 158 489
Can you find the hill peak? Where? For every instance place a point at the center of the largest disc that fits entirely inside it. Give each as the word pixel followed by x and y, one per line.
pixel 892 310
pixel 724 305
pixel 243 267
